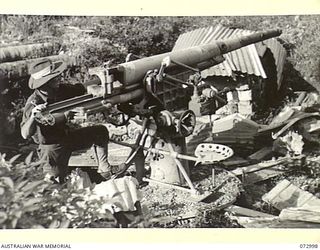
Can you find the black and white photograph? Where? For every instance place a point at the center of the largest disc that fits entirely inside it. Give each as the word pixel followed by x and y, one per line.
pixel 159 121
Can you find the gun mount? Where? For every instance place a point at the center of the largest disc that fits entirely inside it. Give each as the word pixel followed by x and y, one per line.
pixel 129 89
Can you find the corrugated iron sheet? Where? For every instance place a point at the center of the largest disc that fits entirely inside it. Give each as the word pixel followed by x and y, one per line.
pixel 245 60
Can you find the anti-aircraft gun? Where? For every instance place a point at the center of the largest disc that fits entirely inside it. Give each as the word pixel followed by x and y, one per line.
pixel 129 89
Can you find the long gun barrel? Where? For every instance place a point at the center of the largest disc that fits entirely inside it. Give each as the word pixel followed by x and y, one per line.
pixel 134 71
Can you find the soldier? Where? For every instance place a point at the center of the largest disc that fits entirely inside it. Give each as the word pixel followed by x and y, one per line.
pixel 57 142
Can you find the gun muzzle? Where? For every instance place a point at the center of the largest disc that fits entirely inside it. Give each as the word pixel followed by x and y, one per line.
pixel 242 41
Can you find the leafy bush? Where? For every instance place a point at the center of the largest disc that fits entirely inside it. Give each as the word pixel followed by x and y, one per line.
pixel 143 36
pixel 28 201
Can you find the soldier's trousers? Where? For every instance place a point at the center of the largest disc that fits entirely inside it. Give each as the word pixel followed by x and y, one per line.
pixel 55 157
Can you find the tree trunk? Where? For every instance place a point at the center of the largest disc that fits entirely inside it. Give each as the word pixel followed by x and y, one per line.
pixel 19 69
pixel 22 52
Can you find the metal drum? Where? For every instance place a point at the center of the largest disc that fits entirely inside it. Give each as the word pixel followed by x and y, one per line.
pixel 164 167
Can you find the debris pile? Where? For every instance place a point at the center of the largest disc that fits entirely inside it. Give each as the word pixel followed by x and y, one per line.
pixel 298 209
pixel 276 184
pixel 284 164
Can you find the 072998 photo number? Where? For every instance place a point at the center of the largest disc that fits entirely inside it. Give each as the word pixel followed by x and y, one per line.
pixel 308 245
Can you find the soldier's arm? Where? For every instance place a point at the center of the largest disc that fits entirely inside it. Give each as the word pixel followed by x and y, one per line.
pixel 28 127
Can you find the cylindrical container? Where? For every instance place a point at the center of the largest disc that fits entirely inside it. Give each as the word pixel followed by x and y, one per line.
pixel 164 167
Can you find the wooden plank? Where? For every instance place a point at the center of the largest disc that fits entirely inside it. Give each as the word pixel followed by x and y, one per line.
pixel 311 125
pixel 287 123
pixel 264 165
pixel 261 154
pixel 169 219
pixel 263 175
pixel 285 195
pixel 253 168
pixel 272 222
pixel 254 222
pixel 246 212
pixel 86 158
pixel 283 116
pixel 310 214
pixel 235 161
pixel 83 158
pixel 268 197
pixel 301 97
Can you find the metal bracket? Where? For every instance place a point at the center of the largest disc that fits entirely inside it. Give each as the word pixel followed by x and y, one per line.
pixel 106 79
pixel 164 64
pixel 186 66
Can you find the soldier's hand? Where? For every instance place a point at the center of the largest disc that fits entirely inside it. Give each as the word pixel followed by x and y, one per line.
pixel 79 113
pixel 69 114
pixel 37 109
pixel 76 113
